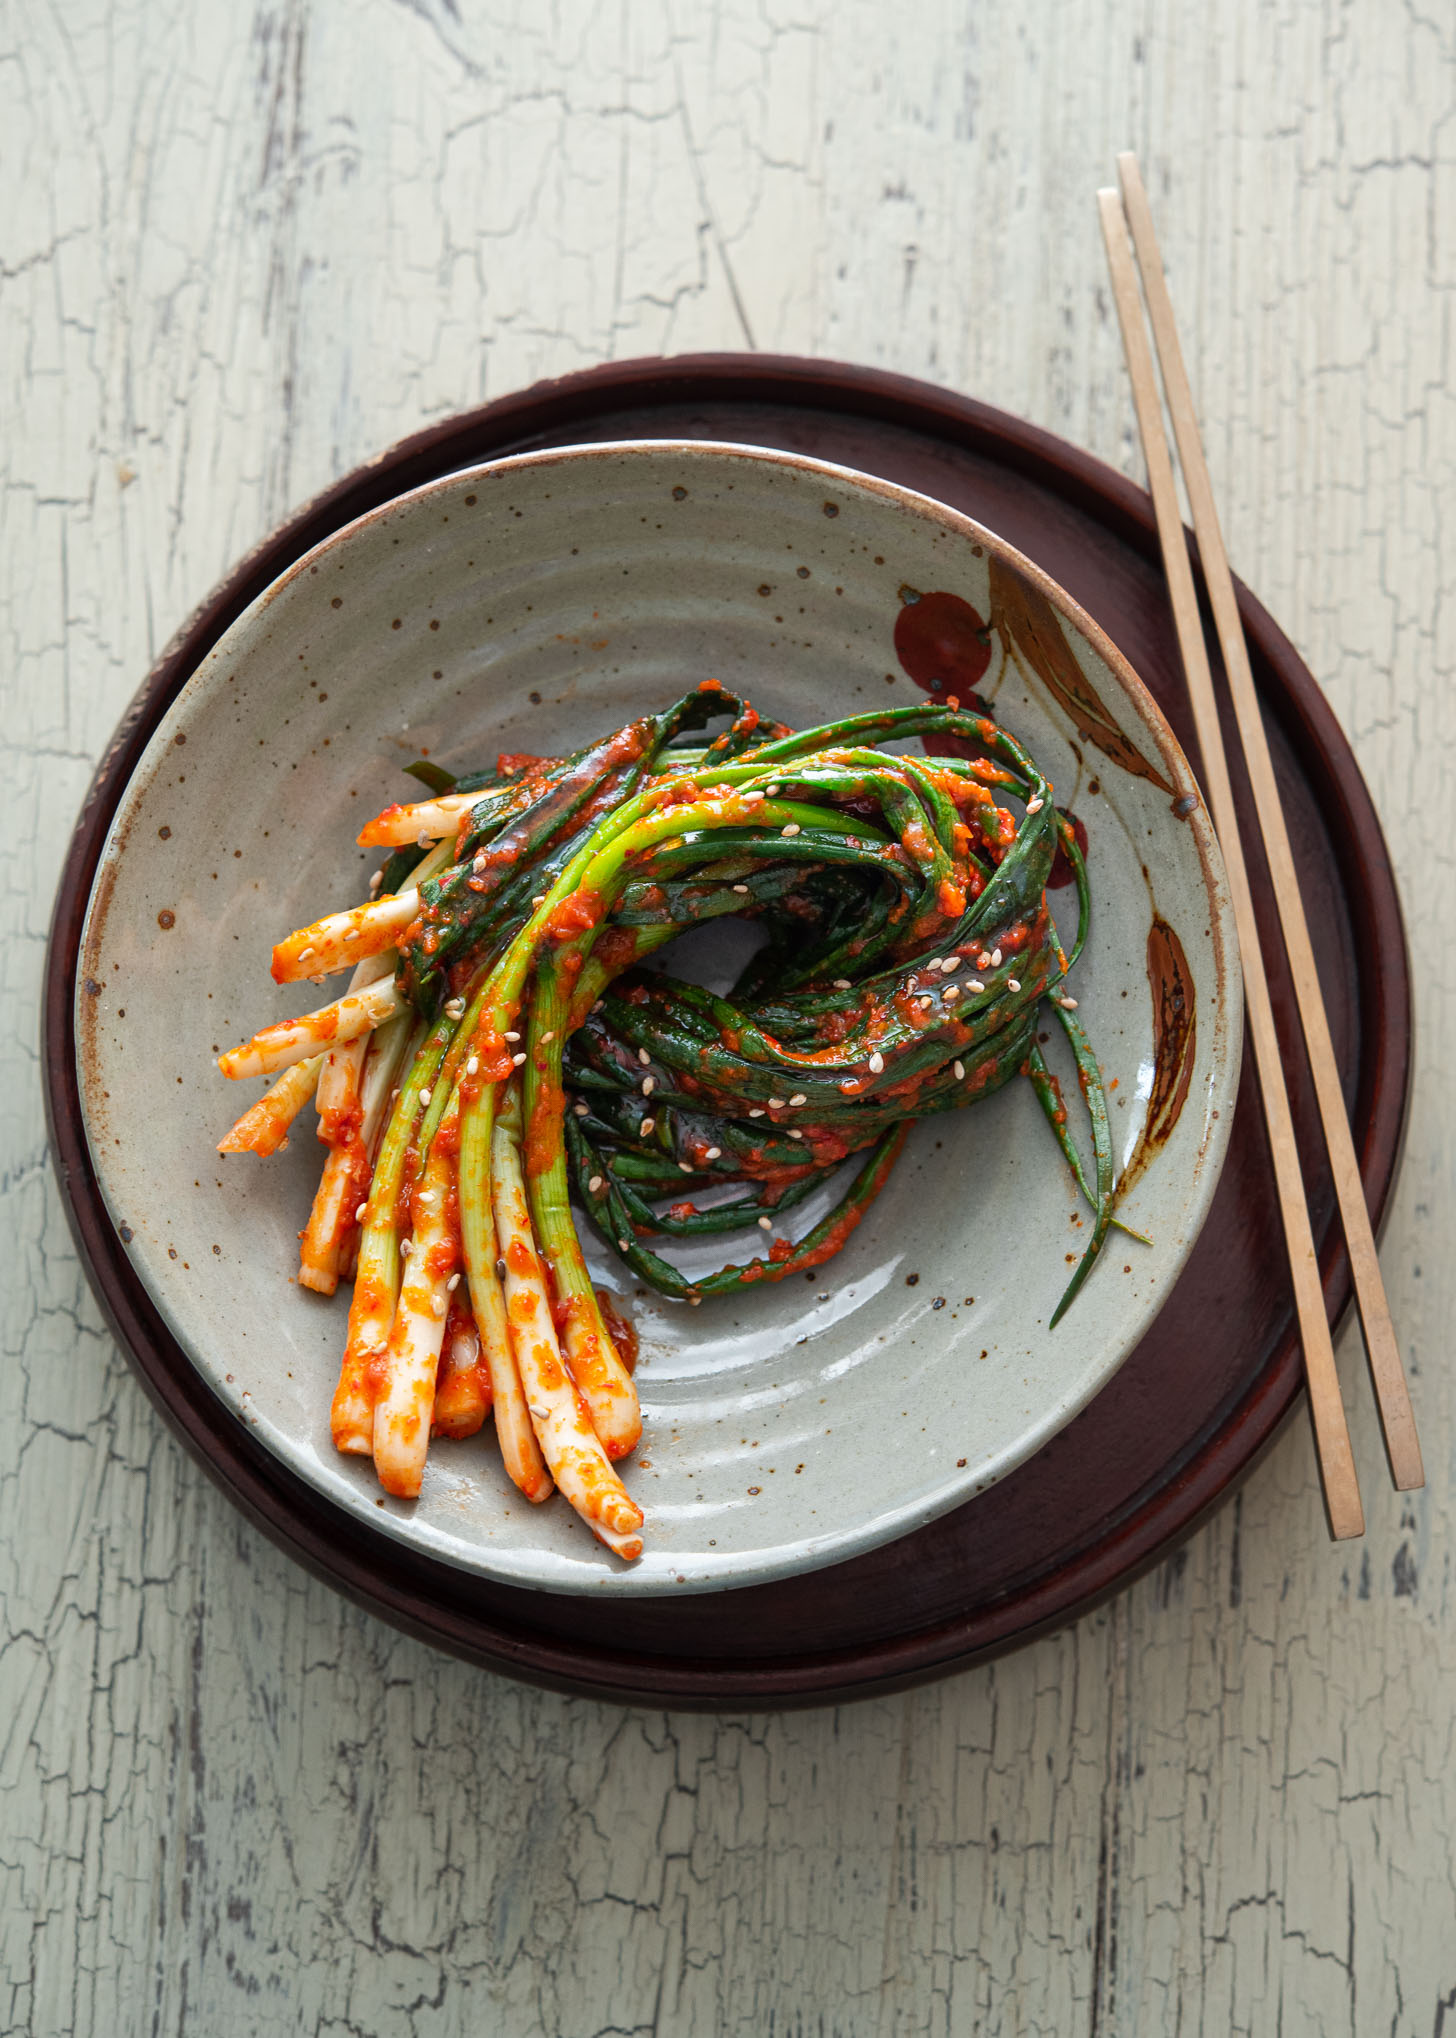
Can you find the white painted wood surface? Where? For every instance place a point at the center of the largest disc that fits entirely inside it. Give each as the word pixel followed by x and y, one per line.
pixel 241 248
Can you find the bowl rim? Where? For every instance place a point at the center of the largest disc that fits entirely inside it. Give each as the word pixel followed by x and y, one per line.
pixel 804 1553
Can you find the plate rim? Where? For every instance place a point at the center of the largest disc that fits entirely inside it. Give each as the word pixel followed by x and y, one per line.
pixel 1079 1575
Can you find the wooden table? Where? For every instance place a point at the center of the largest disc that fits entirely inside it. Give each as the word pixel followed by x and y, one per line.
pixel 240 251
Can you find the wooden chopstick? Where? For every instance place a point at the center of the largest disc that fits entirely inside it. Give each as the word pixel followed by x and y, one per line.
pixel 1391 1392
pixel 1332 1436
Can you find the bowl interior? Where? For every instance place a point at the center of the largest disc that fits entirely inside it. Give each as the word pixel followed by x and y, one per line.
pixel 532 604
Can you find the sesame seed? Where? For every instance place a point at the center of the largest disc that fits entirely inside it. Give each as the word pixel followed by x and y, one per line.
pixel 983 961
pixel 843 984
pixel 581 1110
pixel 548 1036
pixel 481 859
pixel 1012 984
pixel 539 900
pixel 741 888
pixel 649 1084
pixel 765 1224
pixel 643 1056
pixel 792 828
pixel 995 958
pixel 949 965
pixel 686 1166
pixel 975 984
pixel 516 1060
pixel 453 1283
pixel 645 1127
pixel 351 933
pixel 772 789
pixel 304 954
pixel 695 1301
pixel 376 881
pixel 424 839
pixel 777 1104
pixel 407 1246
pixel 796 1135
pixel 594 1185
pixel 425 1096
pixel 951 993
pixel 714 1153
pixel 877 1062
pixel 798 1098
pixel 756 1112
pixel 851 1084
pixel 960 1071
pixel 472 1067
pixel 513 1036
pixel 454 1008
pixel 438 1305
pixel 1068 1004
pixel 923 1003
pixel 623 1244
pixel 1034 806
pixel 361 1213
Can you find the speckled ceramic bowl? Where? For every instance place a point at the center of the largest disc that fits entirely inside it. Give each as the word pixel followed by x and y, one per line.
pixel 530 604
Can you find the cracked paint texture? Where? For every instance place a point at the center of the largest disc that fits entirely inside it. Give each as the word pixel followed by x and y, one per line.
pixel 242 248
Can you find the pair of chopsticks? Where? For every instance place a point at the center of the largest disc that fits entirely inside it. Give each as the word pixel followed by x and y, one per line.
pixel 1127 212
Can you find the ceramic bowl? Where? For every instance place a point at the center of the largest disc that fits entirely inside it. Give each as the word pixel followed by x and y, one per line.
pixel 528 605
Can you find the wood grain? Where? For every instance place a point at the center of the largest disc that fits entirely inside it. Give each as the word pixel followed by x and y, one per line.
pixel 245 247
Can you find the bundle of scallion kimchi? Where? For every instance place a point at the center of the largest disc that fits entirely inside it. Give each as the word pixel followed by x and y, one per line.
pixel 504 1042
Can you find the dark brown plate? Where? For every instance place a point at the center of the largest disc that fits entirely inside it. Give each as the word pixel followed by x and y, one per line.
pixel 1219 1370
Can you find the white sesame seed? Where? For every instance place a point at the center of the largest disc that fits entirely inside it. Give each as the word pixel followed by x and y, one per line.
pixel 548 1036
pixel 798 1098
pixel 1012 984
pixel 1034 806
pixel 481 859
pixel 423 840
pixel 924 1004
pixel 453 1283
pixel 425 1096
pixel 623 1243
pixel 361 1213
pixel 796 1135
pixel 714 1153
pixel 741 888
pixel 406 1247
pixel 581 1110
pixel 1068 1004
pixel 438 1306
pixel 843 984
pixel 649 1084
pixel 995 958
pixel 643 1056
pixel 304 954
pixel 516 1060
pixel 539 900
pixel 777 1104
pixel 851 1084
pixel 376 881
pixel 983 961
pixel 949 965
pixel 695 1301
pixel 772 789
pixel 594 1185
pixel 472 1067
pixel 645 1127
pixel 687 1167
pixel 975 984
pixel 539 1414
pixel 960 1071
pixel 351 933
pixel 513 1036
pixel 877 1062
pixel 792 828
pixel 756 1112
pixel 765 1224
pixel 454 1008
pixel 951 993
